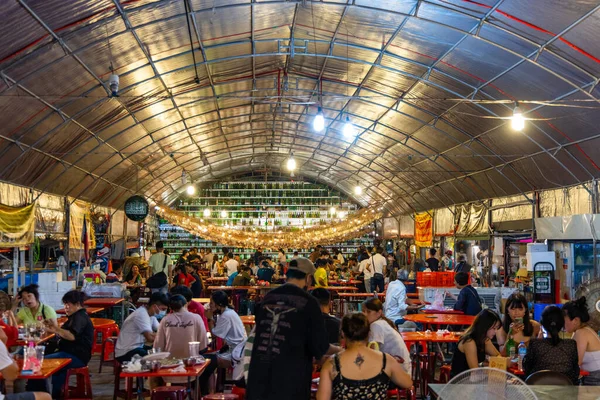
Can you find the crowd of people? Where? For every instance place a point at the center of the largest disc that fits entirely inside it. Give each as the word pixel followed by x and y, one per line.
pixel 361 355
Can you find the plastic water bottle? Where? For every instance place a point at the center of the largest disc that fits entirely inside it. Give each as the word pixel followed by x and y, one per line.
pixel 375 294
pixel 522 353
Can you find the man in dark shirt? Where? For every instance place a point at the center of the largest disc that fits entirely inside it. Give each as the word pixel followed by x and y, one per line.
pixel 462 265
pixel 432 262
pixel 468 298
pixel 258 255
pixel 332 324
pixel 290 333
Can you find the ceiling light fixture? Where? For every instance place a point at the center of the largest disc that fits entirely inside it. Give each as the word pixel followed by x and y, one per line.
pixel 348 130
pixel 517 121
pixel 223 214
pixel 319 121
pixel 206 213
pixel 332 211
pixel 183 177
pixel 191 190
pixel 291 163
pixel 358 190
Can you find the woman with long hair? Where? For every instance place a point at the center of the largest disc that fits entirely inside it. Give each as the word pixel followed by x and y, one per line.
pixel 553 353
pixel 516 323
pixel 476 342
pixel 588 343
pixel 384 332
pixel 359 372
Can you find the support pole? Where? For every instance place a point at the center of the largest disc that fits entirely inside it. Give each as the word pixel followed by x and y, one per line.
pixel 15 270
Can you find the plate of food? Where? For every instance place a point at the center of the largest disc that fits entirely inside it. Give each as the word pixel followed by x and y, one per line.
pixel 170 363
pixel 156 356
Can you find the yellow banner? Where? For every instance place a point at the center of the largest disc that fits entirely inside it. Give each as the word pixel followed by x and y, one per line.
pixel 17 225
pixel 423 229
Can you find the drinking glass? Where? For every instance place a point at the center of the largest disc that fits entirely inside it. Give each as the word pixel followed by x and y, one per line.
pixel 39 353
pixel 156 350
pixel 194 348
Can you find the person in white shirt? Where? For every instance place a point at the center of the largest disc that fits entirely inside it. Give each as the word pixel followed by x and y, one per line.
pixel 139 328
pixel 367 270
pixel 395 307
pixel 160 262
pixel 383 332
pixel 378 264
pixel 231 265
pixel 282 258
pixel 228 327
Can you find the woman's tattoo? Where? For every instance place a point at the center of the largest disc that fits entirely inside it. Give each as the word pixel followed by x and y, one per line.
pixel 359 360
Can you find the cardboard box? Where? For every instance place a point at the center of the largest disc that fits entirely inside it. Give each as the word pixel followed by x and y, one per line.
pixel 499 363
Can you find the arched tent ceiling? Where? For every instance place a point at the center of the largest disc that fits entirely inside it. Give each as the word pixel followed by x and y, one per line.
pixel 415 77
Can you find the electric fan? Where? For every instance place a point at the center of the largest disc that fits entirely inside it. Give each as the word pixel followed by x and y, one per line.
pixel 591 291
pixel 486 384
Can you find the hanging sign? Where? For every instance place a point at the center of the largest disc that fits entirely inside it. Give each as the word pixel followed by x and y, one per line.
pixel 423 229
pixel 136 208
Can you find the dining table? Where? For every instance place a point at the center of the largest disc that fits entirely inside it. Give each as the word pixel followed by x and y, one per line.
pixel 189 373
pixel 50 366
pixel 248 320
pixel 108 303
pixel 88 310
pixel 509 391
pixel 36 340
pixel 437 320
pixel 444 311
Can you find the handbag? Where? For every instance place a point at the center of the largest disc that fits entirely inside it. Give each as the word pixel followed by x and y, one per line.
pixel 159 280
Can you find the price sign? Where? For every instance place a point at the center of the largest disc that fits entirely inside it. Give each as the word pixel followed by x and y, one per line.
pixel 136 208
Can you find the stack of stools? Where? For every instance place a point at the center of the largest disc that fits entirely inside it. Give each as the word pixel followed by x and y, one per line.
pixel 169 393
pixel 83 390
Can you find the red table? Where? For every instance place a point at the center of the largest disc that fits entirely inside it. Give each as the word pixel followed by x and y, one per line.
pixel 248 319
pixel 446 311
pixel 43 339
pixel 89 310
pixel 412 337
pixel 50 366
pixel 350 282
pixel 440 319
pixel 190 372
pixel 412 295
pixel 103 302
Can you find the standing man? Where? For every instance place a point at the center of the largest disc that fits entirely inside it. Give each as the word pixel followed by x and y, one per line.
pixel 448 261
pixel 208 258
pixel 161 262
pixel 231 265
pixel 463 265
pixel 378 263
pixel 290 333
pixel 367 270
pixel 258 256
pixel 432 262
pixel 316 254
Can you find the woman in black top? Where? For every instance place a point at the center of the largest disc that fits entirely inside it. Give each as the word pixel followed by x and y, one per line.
pixel 476 343
pixel 76 337
pixel 553 353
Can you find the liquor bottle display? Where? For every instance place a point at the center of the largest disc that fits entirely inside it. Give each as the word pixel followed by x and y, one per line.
pixel 260 206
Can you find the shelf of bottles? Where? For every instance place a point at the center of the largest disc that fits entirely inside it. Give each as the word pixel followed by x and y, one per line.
pixel 263 206
pixel 176 239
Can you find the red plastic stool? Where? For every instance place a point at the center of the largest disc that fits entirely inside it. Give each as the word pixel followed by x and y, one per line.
pixel 169 393
pixel 445 373
pixel 83 390
pixel 241 392
pixel 104 355
pixel 102 333
pixel 221 396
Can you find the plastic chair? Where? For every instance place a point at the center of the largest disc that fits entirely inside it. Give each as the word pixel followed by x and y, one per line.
pixel 169 393
pixel 241 392
pixel 445 373
pixel 102 333
pixel 104 355
pixel 408 394
pixel 221 396
pixel 547 377
pixel 83 390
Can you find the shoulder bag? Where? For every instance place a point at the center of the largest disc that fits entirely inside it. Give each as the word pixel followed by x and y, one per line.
pixel 159 280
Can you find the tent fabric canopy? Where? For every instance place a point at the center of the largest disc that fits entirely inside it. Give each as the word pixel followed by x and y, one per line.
pixel 428 85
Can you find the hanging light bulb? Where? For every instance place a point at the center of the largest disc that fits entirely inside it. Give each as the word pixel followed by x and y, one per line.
pixel 206 213
pixel 191 190
pixel 332 211
pixel 183 178
pixel 319 121
pixel 357 190
pixel 348 129
pixel 223 214
pixel 291 163
pixel 518 120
